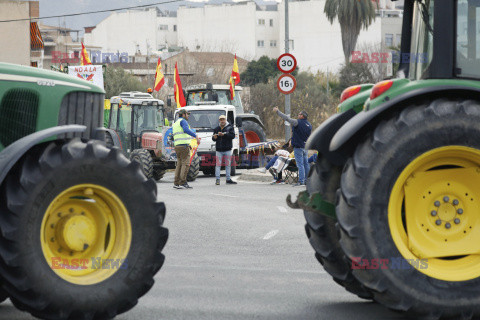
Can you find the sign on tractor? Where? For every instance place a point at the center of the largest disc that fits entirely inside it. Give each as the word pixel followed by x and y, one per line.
pixel 286 84
pixel 286 63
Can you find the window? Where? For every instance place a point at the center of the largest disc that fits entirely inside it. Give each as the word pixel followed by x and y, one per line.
pixel 163 27
pixel 271 22
pixel 388 39
pixel 261 22
pixel 260 43
pixel 273 43
pixel 468 39
pixel 175 27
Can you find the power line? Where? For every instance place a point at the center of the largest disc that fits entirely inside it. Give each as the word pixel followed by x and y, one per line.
pixel 99 11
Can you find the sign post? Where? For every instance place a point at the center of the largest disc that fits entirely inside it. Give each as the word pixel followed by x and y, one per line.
pixel 286 84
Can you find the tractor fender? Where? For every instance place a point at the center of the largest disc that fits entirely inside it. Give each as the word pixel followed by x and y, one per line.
pixel 320 138
pixel 115 138
pixel 364 119
pixel 11 154
pixel 252 117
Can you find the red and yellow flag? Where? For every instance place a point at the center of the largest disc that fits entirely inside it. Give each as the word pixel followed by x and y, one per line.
pixel 85 59
pixel 159 78
pixel 179 97
pixel 235 72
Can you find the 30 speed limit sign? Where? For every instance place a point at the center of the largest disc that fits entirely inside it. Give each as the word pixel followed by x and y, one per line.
pixel 286 83
pixel 286 63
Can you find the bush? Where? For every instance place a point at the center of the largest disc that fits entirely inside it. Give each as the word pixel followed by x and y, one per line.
pixel 118 80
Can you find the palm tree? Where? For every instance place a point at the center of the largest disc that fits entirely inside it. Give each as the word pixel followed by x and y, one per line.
pixel 353 15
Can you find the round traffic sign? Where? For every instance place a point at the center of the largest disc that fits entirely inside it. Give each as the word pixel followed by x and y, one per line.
pixel 286 83
pixel 286 63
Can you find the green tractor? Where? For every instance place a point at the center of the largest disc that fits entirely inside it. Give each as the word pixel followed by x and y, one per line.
pixel 81 230
pixel 392 204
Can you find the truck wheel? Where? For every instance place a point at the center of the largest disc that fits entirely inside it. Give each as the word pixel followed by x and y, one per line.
pixel 324 178
pixel 209 171
pixel 253 132
pixel 194 169
pixel 144 158
pixel 158 174
pixel 409 209
pixel 88 220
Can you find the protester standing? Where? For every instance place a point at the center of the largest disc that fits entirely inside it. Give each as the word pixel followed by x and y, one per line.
pixel 223 136
pixel 182 136
pixel 301 130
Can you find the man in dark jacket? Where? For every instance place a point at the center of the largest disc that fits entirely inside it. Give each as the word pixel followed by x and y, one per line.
pixel 301 130
pixel 223 136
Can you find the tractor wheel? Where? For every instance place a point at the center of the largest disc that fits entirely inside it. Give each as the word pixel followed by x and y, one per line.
pixel 209 172
pixel 408 210
pixel 253 132
pixel 194 169
pixel 144 158
pixel 324 178
pixel 158 174
pixel 3 295
pixel 80 232
pixel 109 140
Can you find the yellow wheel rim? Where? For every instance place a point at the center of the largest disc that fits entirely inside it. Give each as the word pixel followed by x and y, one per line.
pixel 86 234
pixel 434 213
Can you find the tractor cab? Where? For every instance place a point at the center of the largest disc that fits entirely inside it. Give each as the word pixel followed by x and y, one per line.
pixel 135 115
pixel 218 93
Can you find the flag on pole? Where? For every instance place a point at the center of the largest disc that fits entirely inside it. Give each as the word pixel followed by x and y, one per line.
pixel 235 73
pixel 85 59
pixel 179 97
pixel 159 78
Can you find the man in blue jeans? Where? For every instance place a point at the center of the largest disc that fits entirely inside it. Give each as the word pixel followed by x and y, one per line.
pixel 223 136
pixel 301 130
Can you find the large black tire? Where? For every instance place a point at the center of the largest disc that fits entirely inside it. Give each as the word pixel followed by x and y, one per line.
pixel 144 159
pixel 194 169
pixel 209 172
pixel 324 178
pixel 158 174
pixel 363 208
pixel 3 295
pixel 248 125
pixel 29 189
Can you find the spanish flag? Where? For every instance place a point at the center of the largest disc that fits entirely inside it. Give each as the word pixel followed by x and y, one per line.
pixel 179 97
pixel 159 78
pixel 235 73
pixel 84 57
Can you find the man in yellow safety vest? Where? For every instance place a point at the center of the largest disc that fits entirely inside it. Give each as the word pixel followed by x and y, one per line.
pixel 182 136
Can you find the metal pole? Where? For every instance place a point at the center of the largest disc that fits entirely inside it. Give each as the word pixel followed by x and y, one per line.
pixel 288 130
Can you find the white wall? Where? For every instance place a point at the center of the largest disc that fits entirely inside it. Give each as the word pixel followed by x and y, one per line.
pixel 15 36
pixel 166 37
pixel 123 31
pixel 227 28
pixel 267 33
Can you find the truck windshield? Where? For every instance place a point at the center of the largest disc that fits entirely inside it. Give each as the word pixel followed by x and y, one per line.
pixel 223 98
pixel 146 118
pixel 204 119
pixel 422 39
pixel 468 38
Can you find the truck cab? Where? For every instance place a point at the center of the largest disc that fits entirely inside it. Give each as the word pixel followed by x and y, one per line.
pixel 204 119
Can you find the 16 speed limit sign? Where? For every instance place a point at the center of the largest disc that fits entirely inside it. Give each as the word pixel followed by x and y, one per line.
pixel 286 63
pixel 286 83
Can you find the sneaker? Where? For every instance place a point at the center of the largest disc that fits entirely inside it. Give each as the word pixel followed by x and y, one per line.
pixel 273 182
pixel 262 170
pixel 176 186
pixel 186 186
pixel 230 181
pixel 280 182
pixel 217 182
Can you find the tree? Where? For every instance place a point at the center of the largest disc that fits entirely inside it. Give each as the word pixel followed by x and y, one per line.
pixel 355 73
pixel 353 15
pixel 117 80
pixel 259 71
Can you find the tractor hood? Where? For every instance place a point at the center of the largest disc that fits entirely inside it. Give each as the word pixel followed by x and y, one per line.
pixel 152 141
pixel 13 72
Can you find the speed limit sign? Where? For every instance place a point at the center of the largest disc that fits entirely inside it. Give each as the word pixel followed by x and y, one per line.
pixel 286 83
pixel 286 63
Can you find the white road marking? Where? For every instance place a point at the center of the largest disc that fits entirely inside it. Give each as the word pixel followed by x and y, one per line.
pixel 270 235
pixel 282 209
pixel 224 195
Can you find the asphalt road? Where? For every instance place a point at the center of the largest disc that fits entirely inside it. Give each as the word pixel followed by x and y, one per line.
pixel 238 252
